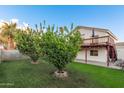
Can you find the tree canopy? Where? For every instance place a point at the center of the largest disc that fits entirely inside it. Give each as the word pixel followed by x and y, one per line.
pixel 60 46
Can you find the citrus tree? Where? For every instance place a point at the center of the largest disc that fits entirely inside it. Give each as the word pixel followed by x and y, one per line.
pixel 60 46
pixel 27 42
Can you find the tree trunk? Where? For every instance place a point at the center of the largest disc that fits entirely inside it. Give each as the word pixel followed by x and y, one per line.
pixel 10 43
pixel 60 70
pixel 34 62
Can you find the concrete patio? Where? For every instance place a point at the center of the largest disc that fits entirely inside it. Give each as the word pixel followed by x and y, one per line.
pixel 111 65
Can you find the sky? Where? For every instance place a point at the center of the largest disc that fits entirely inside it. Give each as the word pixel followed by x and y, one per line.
pixel 108 17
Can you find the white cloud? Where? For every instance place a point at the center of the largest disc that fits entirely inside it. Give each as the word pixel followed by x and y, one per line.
pixel 2 21
pixel 14 20
pixel 25 24
pixel 22 25
pixel 1 24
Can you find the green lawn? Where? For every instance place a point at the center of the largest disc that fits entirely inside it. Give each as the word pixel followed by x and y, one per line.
pixel 25 74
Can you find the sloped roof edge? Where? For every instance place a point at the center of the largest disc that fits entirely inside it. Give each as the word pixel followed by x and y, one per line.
pixel 100 29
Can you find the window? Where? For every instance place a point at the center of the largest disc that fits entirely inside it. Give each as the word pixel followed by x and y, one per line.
pixel 93 52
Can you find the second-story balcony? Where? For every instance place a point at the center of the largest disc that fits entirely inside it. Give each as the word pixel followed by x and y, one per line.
pixel 98 41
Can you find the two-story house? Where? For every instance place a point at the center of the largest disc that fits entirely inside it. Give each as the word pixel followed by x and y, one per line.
pixel 98 45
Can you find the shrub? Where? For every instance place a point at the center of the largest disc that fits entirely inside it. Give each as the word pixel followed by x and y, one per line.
pixel 27 42
pixel 60 47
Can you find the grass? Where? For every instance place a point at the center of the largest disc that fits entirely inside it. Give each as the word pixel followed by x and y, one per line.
pixel 24 74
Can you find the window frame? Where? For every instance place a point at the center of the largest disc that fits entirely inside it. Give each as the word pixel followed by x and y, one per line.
pixel 94 52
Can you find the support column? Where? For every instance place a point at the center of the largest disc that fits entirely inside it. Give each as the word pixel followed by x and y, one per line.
pixel 113 53
pixel 86 55
pixel 107 48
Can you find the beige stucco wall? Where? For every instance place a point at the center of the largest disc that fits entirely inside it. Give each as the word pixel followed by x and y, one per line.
pixel 102 55
pixel 120 52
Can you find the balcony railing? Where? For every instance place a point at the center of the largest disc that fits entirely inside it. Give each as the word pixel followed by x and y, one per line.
pixel 104 40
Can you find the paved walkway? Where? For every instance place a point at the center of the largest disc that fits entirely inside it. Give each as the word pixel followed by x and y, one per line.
pixel 111 65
